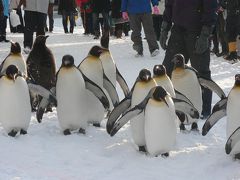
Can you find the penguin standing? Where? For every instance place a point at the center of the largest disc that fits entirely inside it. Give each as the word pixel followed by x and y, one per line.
pixel 229 107
pixel 72 97
pixel 186 80
pixel 14 95
pixel 41 65
pixel 16 58
pixel 92 68
pixel 160 133
pixel 109 66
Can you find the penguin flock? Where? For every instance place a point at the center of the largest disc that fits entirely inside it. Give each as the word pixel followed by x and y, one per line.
pixel 156 105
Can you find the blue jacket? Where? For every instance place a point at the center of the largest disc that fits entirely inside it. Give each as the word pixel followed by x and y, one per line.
pixel 191 14
pixel 5 7
pixel 138 6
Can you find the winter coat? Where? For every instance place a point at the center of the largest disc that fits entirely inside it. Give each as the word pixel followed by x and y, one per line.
pixel 138 6
pixel 66 5
pixel 1 8
pixel 191 14
pixel 232 6
pixel 101 6
pixel 38 5
pixel 86 6
pixel 5 7
pixel 116 8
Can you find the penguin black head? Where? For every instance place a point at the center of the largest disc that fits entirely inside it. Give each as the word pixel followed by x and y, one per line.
pixel 40 40
pixel 159 70
pixel 12 72
pixel 178 60
pixel 15 48
pixel 67 61
pixel 144 75
pixel 95 51
pixel 159 93
pixel 237 79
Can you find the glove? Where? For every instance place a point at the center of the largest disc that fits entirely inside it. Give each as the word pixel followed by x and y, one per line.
pixel 202 43
pixel 156 10
pixel 164 34
pixel 125 15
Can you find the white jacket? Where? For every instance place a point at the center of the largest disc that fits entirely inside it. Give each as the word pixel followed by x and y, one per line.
pixel 38 5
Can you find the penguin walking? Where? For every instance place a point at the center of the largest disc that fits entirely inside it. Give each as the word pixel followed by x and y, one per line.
pixel 159 129
pixel 41 65
pixel 109 66
pixel 92 68
pixel 14 94
pixel 229 107
pixel 16 58
pixel 71 96
pixel 186 80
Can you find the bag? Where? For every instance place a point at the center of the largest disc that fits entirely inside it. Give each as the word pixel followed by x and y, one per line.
pixel 14 18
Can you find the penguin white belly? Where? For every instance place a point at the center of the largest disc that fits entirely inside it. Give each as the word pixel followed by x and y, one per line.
pixel 109 67
pixel 71 97
pixel 188 84
pixel 15 111
pixel 18 61
pixel 92 68
pixel 137 123
pixel 95 108
pixel 233 112
pixel 166 83
pixel 160 128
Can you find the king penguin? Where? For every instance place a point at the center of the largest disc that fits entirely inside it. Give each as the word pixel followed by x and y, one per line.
pixel 72 97
pixel 14 95
pixel 186 80
pixel 16 58
pixel 229 107
pixel 92 68
pixel 158 109
pixel 109 66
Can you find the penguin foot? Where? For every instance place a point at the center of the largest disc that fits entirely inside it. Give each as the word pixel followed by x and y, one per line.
pixel 182 127
pixel 237 156
pixel 12 133
pixel 142 149
pixel 194 127
pixel 23 132
pixel 96 125
pixel 66 132
pixel 82 131
pixel 165 155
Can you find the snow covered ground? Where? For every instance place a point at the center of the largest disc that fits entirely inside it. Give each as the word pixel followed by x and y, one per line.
pixel 45 153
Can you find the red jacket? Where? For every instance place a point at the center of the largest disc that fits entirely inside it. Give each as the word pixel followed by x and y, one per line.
pixel 85 5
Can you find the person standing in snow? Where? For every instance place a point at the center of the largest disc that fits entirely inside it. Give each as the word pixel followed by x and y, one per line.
pixel 4 8
pixel 139 14
pixel 232 27
pixel 35 16
pixel 191 23
pixel 157 18
pixel 67 8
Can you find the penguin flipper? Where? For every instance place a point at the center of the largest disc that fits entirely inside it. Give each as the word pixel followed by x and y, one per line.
pixel 181 96
pixel 232 141
pixel 37 89
pixel 212 120
pixel 125 118
pixel 210 84
pixel 183 106
pixel 122 83
pixel 97 91
pixel 117 111
pixel 111 90
pixel 220 105
pixel 43 105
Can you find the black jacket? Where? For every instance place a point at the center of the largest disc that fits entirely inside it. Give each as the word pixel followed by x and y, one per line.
pixel 232 6
pixel 191 14
pixel 66 5
pixel 101 6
